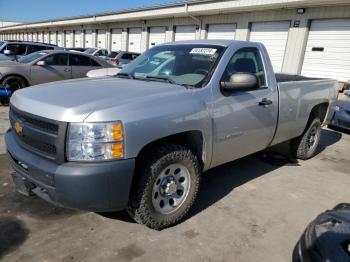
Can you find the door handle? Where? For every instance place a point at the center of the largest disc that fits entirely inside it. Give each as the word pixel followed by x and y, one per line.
pixel 265 102
pixel 66 70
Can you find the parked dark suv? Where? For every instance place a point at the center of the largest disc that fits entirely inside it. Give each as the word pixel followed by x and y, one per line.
pixel 12 50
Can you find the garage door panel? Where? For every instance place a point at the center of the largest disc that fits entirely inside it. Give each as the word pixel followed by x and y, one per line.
pixel 333 35
pixel 156 36
pixel 187 32
pixel 101 38
pixel 117 39
pixel 134 40
pixel 274 36
pixel 78 39
pixel 221 31
pixel 53 37
pixel 88 38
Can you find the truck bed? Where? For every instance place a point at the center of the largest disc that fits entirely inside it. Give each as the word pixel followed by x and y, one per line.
pixel 281 78
pixel 297 97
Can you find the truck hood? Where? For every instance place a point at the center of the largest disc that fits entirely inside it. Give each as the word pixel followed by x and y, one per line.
pixel 75 100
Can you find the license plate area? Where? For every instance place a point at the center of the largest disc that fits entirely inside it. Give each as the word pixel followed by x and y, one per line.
pixel 23 186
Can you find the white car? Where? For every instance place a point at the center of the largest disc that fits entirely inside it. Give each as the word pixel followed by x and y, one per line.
pixel 101 52
pixel 111 71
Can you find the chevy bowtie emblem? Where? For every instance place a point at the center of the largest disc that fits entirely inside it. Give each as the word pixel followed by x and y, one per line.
pixel 18 128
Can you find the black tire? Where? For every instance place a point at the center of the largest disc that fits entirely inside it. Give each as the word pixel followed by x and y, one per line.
pixel 14 83
pixel 4 100
pixel 300 146
pixel 141 207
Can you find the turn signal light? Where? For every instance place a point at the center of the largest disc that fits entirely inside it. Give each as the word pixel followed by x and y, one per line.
pixel 117 150
pixel 117 132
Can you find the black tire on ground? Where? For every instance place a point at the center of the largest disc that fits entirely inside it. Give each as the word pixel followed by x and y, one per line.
pixel 14 82
pixel 305 146
pixel 4 101
pixel 141 207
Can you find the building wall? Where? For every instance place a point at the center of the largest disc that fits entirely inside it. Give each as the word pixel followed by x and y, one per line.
pixel 296 43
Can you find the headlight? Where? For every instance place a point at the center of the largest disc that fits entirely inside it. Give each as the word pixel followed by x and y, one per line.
pixel 337 108
pixel 95 141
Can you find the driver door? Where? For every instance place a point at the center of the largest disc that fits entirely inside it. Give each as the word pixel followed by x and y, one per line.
pixel 56 68
pixel 242 124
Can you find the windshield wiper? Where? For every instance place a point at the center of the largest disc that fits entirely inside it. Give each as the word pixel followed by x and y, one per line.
pixel 125 75
pixel 164 78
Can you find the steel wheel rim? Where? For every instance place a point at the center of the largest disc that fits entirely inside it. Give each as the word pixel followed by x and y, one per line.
pixel 171 188
pixel 312 138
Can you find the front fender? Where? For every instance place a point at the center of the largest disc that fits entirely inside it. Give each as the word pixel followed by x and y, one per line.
pixel 148 121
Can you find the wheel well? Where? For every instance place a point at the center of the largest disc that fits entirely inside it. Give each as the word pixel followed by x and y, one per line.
pixel 319 111
pixel 26 83
pixel 193 140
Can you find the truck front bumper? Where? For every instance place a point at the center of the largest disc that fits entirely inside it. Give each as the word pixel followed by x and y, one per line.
pixel 103 186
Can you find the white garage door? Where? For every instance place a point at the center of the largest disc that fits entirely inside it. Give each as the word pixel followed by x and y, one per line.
pixel 60 39
pixel 328 50
pixel 156 36
pixel 78 41
pixel 274 36
pixel 185 32
pixel 53 38
pixel 46 37
pixel 40 37
pixel 116 39
pixel 88 38
pixel 101 38
pixel 221 31
pixel 69 39
pixel 134 40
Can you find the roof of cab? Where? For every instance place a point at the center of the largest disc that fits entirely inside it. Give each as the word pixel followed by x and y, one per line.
pixel 206 42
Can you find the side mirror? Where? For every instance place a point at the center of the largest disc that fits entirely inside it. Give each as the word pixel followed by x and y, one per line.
pixel 7 52
pixel 240 82
pixel 41 63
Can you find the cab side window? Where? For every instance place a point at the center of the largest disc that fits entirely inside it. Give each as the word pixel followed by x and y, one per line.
pixel 246 60
pixel 16 49
pixel 79 60
pixel 35 48
pixel 57 60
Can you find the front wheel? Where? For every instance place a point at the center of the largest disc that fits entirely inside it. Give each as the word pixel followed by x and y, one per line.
pixel 166 187
pixel 305 146
pixel 12 83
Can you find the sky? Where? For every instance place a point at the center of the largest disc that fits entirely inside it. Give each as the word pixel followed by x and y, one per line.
pixel 36 10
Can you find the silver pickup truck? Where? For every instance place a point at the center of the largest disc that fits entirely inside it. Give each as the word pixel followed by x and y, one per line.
pixel 140 140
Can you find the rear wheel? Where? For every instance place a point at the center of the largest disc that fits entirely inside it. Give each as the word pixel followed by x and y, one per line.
pixel 12 83
pixel 305 146
pixel 166 187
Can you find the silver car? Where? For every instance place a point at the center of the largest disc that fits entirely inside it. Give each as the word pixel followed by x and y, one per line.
pixel 46 66
pixel 121 58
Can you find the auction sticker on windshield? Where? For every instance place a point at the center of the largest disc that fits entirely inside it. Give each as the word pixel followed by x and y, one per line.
pixel 203 51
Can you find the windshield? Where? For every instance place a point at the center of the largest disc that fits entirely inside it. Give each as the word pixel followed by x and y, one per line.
pixel 185 64
pixel 31 57
pixel 90 50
